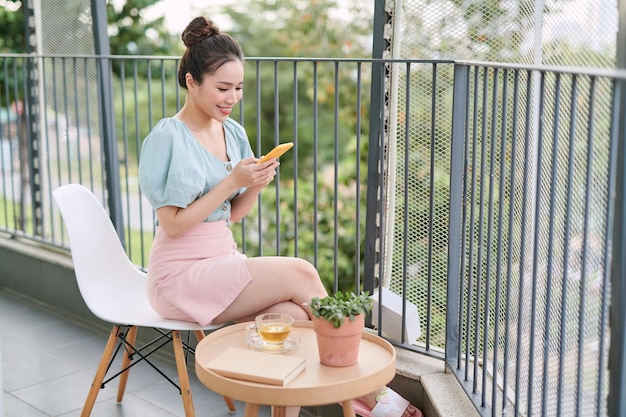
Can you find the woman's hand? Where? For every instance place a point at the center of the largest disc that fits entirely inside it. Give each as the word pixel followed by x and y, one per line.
pixel 254 176
pixel 246 174
pixel 250 174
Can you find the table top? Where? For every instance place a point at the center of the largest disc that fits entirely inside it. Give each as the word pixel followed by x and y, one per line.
pixel 317 385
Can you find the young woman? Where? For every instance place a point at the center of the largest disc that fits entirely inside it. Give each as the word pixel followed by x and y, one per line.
pixel 198 172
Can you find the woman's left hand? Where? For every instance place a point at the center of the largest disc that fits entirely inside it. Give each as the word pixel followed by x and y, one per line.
pixel 254 174
pixel 269 172
pixel 254 177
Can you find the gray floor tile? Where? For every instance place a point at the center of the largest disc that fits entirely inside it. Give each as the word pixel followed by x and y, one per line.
pixel 14 349
pixel 130 407
pixel 16 316
pixel 14 407
pixel 48 363
pixel 33 368
pixel 53 334
pixel 85 355
pixel 61 395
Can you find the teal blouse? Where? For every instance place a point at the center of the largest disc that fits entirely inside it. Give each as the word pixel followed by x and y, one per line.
pixel 175 170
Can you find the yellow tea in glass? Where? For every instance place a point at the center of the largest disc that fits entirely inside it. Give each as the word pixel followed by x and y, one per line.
pixel 274 328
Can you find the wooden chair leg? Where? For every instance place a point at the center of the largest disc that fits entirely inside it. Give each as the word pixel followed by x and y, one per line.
pixel 229 401
pixel 131 337
pixel 183 376
pixel 100 372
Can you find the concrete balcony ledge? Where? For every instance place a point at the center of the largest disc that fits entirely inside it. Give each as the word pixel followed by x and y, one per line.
pixel 439 394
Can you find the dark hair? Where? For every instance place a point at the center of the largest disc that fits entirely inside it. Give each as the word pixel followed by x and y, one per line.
pixel 207 50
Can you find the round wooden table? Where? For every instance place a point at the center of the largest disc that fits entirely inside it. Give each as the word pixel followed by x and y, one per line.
pixel 316 385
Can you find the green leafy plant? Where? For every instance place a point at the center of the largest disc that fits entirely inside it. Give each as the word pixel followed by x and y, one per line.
pixel 335 308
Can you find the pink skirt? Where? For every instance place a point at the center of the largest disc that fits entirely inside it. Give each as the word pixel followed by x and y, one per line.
pixel 196 276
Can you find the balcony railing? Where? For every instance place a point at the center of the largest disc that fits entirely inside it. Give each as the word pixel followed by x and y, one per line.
pixel 490 196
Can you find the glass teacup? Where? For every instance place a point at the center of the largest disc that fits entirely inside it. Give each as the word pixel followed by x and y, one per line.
pixel 272 328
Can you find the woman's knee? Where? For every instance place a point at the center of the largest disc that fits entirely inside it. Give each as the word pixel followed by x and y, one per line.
pixel 310 275
pixel 307 270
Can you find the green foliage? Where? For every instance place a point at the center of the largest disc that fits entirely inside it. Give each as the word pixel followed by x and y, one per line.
pixel 140 94
pixel 316 100
pixel 327 231
pixel 12 29
pixel 302 28
pixel 335 308
pixel 561 52
pixel 12 40
pixel 138 243
pixel 132 34
pixel 494 30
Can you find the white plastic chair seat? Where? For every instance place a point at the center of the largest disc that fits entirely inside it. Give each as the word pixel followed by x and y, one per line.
pixel 114 290
pixel 127 288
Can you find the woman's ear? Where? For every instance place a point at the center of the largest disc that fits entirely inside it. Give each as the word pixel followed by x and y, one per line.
pixel 189 80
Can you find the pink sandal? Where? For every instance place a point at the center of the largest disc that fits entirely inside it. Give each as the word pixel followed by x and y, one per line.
pixel 388 404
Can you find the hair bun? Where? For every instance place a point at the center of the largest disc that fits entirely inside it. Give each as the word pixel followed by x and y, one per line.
pixel 197 30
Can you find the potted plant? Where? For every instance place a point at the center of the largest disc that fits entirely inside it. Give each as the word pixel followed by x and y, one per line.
pixel 338 321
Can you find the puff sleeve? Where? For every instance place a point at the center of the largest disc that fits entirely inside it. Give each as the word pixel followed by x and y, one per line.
pixel 170 175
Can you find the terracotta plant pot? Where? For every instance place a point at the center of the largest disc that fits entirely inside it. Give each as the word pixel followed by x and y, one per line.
pixel 339 346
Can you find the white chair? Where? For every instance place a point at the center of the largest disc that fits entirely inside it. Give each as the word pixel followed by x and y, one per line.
pixel 114 289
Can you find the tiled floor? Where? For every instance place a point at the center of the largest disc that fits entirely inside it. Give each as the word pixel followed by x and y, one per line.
pixel 48 364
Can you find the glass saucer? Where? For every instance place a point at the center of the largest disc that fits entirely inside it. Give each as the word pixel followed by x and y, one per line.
pixel 256 343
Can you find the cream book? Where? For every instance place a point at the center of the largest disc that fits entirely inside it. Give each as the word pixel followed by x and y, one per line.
pixel 255 366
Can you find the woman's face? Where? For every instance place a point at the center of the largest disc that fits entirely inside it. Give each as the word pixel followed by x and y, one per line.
pixel 219 92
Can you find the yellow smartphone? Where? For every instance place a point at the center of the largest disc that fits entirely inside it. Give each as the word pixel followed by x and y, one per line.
pixel 276 152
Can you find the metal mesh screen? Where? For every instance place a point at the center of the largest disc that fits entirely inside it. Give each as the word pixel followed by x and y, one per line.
pixel 535 245
pixel 578 33
pixel 418 193
pixel 66 27
pixel 556 311
pixel 57 88
pixel 69 99
pixel 436 30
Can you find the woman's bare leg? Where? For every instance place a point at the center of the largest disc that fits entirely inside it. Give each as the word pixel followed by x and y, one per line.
pixel 280 285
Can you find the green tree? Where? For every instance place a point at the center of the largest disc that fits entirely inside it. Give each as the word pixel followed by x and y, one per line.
pixel 306 28
pixel 482 30
pixel 303 28
pixel 132 34
pixel 12 29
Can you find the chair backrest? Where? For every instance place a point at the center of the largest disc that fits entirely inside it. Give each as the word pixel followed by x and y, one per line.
pixel 106 277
